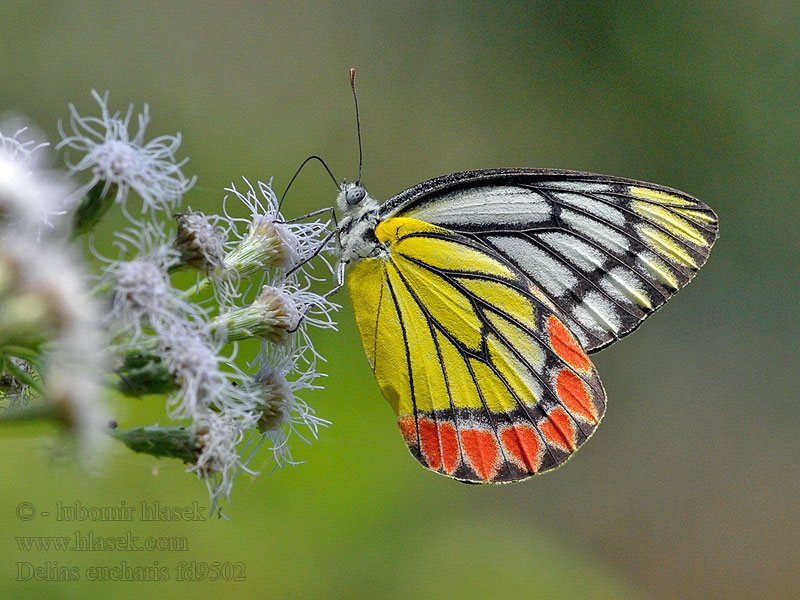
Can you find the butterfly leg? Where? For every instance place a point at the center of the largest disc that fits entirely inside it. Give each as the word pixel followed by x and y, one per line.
pixel 340 268
pixel 314 254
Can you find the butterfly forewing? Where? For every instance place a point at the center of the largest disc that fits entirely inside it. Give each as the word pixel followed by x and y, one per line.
pixel 606 252
pixel 488 383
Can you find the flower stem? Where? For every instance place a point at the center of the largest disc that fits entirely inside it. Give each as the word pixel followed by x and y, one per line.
pixel 40 412
pixel 21 374
pixel 196 289
pixel 168 442
pixel 92 208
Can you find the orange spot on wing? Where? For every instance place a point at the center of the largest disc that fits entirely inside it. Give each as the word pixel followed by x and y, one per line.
pixel 481 448
pixel 450 449
pixel 522 444
pixel 572 392
pixel 429 437
pixel 408 429
pixel 566 346
pixel 558 430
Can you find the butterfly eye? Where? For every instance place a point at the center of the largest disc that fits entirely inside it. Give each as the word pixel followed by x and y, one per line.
pixel 355 195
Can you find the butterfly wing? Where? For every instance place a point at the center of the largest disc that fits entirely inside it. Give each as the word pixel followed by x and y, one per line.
pixel 606 251
pixel 487 382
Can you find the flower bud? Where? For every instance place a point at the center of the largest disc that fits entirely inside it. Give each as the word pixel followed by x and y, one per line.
pixel 199 241
pixel 271 316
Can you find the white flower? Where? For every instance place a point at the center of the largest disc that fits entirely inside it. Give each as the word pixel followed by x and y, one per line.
pixel 282 411
pixel 193 355
pixel 269 242
pixel 273 315
pixel 47 308
pixel 43 285
pixel 30 195
pixel 194 364
pixel 315 311
pixel 116 158
pixel 142 291
pixel 218 435
pixel 200 241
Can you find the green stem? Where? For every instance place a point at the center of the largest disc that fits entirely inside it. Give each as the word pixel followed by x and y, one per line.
pixel 40 412
pixel 196 289
pixel 104 288
pixel 27 354
pixel 92 208
pixel 167 442
pixel 143 372
pixel 20 373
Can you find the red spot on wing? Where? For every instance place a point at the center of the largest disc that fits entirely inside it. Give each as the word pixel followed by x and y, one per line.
pixel 449 443
pixel 482 450
pixel 523 445
pixel 566 346
pixel 429 437
pixel 408 429
pixel 573 393
pixel 559 430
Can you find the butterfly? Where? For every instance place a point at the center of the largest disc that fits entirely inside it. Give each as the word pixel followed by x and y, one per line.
pixel 479 296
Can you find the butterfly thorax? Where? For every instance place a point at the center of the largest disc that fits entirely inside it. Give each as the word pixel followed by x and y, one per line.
pixel 360 215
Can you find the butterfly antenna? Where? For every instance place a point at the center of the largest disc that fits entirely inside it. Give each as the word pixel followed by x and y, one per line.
pixel 358 123
pixel 300 168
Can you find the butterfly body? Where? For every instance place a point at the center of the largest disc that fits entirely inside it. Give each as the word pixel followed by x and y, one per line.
pixel 479 294
pixel 357 228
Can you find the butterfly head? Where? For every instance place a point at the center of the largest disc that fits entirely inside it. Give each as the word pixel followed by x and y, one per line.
pixel 355 195
pixel 354 199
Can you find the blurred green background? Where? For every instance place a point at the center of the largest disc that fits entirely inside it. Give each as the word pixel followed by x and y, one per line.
pixel 691 487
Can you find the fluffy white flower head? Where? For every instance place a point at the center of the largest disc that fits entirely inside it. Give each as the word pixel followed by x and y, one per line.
pixel 194 358
pixel 29 194
pixel 269 242
pixel 46 305
pixel 314 310
pixel 200 240
pixel 114 157
pixel 282 411
pixel 51 276
pixel 143 294
pixel 219 462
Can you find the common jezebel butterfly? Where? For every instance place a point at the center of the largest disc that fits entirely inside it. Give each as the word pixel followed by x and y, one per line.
pixel 478 296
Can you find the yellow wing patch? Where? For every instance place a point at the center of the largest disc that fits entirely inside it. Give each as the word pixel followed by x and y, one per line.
pixel 437 252
pixel 496 395
pixel 518 375
pixel 375 308
pixel 502 297
pixel 457 338
pixel 665 245
pixel 659 197
pixel 697 215
pixel 460 382
pixel 669 220
pixel 442 300
pixel 427 379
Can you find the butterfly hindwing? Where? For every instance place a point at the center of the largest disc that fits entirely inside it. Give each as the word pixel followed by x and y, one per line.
pixel 606 251
pixel 488 383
